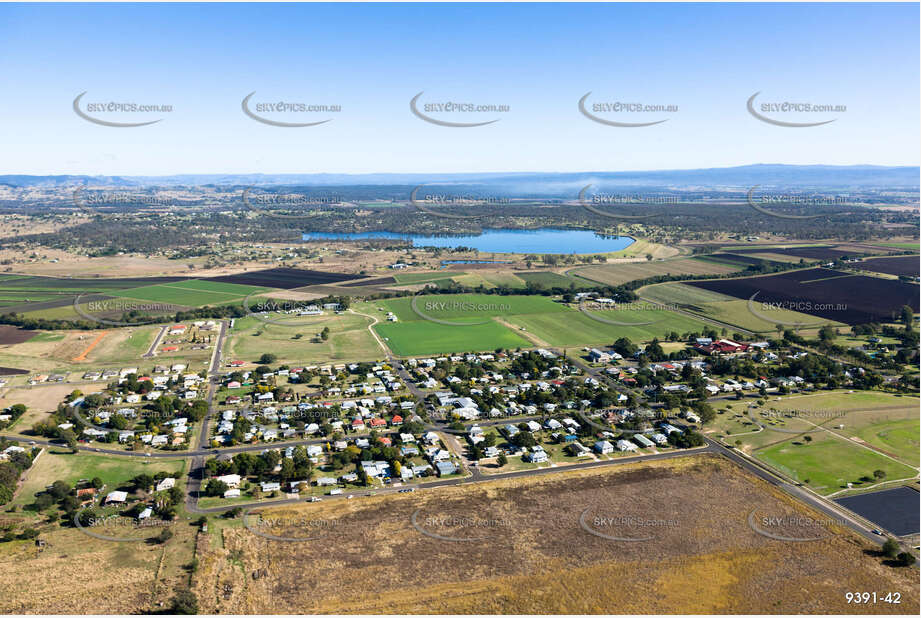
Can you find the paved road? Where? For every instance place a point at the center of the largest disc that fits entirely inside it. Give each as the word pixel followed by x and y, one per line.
pixel 152 350
pixel 478 479
pixel 823 505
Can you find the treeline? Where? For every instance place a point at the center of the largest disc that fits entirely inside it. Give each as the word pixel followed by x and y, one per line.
pixel 11 469
pixel 194 232
pixel 217 312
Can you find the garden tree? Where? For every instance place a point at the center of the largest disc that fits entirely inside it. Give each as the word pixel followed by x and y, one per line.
pixel 69 438
pixel 43 501
pixel 688 439
pixel 196 411
pixel 625 347
pixel 59 489
pixel 654 351
pixel 906 315
pixel 501 460
pixel 216 488
pixel 827 333
pixel 524 439
pixel 807 438
pixel 267 359
pixel 324 334
pixel 891 548
pixel 185 602
pixel 142 482
pixel 165 535
pixel 905 559
pixel 705 411
pixel 879 474
pixel 489 439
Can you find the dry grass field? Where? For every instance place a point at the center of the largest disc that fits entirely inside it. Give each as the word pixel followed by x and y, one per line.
pixel 77 574
pixel 524 550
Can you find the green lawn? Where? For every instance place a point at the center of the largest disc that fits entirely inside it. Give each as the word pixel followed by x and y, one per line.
pixel 54 465
pixel 349 339
pixel 900 245
pixel 898 437
pixel 474 307
pixel 828 463
pixel 421 337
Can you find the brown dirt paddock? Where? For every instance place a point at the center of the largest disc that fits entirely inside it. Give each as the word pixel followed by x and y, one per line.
pixel 531 555
pixel 10 335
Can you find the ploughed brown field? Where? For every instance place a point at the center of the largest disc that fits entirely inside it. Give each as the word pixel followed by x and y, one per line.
pixel 517 546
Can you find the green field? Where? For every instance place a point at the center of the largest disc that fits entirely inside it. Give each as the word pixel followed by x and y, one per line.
pixel 195 293
pixel 573 328
pixel 828 463
pixel 459 306
pixel 547 320
pixel 56 465
pixel 551 280
pixel 617 274
pixel 896 437
pixel 726 309
pixel 680 294
pixel 349 339
pixel 871 430
pixel 427 276
pixel 421 337
pixel 900 245
pixel 412 334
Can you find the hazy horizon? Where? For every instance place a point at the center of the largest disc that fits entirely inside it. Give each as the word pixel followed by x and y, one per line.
pixel 370 62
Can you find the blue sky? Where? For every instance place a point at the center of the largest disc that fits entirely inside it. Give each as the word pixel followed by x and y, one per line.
pixel 371 59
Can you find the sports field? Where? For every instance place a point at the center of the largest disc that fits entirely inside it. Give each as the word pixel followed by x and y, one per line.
pixel 297 339
pixel 828 463
pixel 55 351
pixel 459 322
pixel 546 322
pixel 422 337
pixel 828 439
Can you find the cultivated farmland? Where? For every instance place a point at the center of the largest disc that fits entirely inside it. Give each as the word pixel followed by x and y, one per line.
pixel 831 294
pixel 904 265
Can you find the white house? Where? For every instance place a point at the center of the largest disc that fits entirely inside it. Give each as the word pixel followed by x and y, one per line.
pixel 604 447
pixel 231 480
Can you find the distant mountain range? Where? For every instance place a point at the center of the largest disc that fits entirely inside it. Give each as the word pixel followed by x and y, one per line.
pixel 829 177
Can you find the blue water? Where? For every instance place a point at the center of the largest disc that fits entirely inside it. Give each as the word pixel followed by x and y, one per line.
pixel 543 240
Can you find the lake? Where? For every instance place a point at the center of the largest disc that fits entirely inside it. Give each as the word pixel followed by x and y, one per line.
pixel 543 240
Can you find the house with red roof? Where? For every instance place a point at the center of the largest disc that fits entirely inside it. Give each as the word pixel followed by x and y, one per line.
pixel 723 346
